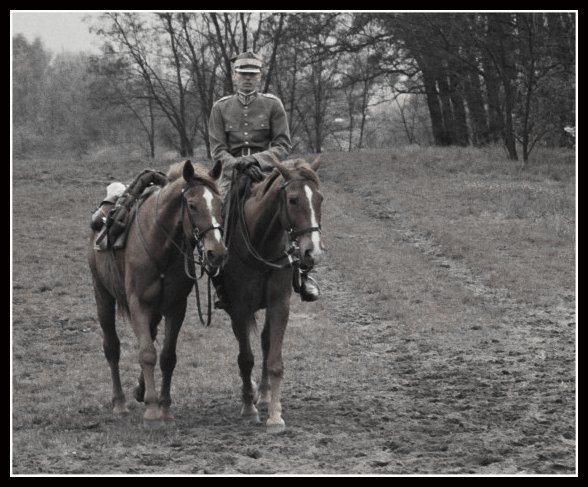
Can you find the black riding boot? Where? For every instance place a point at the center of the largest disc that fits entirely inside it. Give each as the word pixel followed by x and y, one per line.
pixel 305 285
pixel 222 301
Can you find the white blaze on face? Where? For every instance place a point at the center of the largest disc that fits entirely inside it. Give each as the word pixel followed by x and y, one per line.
pixel 208 198
pixel 316 236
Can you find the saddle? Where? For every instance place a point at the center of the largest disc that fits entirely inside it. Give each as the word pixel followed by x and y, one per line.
pixel 113 234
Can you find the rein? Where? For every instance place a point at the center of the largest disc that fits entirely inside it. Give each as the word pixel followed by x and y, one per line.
pixel 187 251
pixel 292 252
pixel 198 236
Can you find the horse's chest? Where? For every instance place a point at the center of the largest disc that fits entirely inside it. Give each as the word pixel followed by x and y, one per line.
pixel 175 288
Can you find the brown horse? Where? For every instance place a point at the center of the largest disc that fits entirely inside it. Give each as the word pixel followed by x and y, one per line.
pixel 278 221
pixel 149 278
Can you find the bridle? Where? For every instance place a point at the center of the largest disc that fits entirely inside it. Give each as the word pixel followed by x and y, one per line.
pixel 196 232
pixel 293 233
pixel 291 254
pixel 188 255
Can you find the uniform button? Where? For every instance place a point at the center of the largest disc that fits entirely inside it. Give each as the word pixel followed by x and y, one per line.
pixel 246 124
pixel 246 143
pixel 245 133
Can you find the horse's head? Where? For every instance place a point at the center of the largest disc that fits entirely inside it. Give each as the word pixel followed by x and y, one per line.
pixel 202 220
pixel 301 209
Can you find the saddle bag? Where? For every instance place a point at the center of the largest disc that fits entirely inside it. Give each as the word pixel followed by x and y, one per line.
pixel 119 217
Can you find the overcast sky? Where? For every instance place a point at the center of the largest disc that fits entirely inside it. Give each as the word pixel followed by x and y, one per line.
pixel 59 31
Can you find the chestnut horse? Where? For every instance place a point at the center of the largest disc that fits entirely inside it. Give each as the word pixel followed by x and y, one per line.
pixel 279 221
pixel 153 274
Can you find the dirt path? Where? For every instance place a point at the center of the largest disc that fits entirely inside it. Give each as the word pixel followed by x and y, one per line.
pixel 428 371
pixel 485 385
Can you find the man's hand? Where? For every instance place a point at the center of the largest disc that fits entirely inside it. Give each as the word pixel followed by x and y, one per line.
pixel 249 166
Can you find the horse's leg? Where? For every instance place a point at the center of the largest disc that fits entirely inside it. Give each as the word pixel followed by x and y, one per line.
pixel 139 391
pixel 277 319
pixel 263 398
pixel 167 357
pixel 106 315
pixel 241 328
pixel 142 321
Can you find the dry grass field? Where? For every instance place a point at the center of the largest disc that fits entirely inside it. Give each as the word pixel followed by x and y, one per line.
pixel 444 342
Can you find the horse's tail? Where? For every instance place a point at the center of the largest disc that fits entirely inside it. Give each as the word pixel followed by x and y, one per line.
pixel 118 286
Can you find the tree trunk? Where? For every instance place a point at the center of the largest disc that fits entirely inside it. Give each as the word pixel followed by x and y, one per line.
pixel 292 101
pixel 495 122
pixel 185 140
pixel 151 134
pixel 491 70
pixel 364 106
pixel 272 62
pixel 244 29
pixel 351 122
pixel 433 105
pixel 479 122
pixel 318 105
pixel 509 137
pixel 448 134
pixel 509 73
pixel 460 125
pixel 501 49
pixel 226 58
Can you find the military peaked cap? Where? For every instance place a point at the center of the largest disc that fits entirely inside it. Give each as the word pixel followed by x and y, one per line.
pixel 247 62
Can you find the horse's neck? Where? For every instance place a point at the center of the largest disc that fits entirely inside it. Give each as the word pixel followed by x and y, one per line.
pixel 170 201
pixel 161 217
pixel 263 220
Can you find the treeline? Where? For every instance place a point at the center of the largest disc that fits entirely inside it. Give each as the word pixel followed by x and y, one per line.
pixel 347 80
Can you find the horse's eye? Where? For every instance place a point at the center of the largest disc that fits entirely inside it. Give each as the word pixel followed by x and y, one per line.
pixel 293 201
pixel 192 206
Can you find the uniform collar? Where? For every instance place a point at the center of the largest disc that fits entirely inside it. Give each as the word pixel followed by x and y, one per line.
pixel 246 99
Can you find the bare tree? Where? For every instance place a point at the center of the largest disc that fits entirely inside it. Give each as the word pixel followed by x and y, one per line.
pixel 144 44
pixel 115 86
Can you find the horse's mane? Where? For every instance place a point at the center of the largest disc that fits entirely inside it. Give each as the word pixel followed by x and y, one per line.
pixel 175 172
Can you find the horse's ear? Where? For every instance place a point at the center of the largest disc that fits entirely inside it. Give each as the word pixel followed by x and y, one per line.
pixel 217 170
pixel 284 171
pixel 314 165
pixel 188 171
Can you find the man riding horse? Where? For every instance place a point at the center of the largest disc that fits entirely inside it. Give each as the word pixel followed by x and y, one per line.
pixel 245 129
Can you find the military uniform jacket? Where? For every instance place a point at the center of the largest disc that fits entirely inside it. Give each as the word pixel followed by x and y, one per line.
pixel 259 128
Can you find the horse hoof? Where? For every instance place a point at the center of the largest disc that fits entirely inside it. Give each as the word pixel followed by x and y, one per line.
pixel 250 414
pixel 252 417
pixel 153 424
pixel 168 417
pixel 275 427
pixel 120 409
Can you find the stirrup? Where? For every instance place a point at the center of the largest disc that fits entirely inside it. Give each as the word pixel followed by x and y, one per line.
pixel 309 290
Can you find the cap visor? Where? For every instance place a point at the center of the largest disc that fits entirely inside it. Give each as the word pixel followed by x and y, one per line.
pixel 248 70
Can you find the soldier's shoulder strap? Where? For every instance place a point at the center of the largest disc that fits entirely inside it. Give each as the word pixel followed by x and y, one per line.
pixel 224 98
pixel 269 95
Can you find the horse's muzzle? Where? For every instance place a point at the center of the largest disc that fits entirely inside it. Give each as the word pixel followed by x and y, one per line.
pixel 311 257
pixel 214 259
